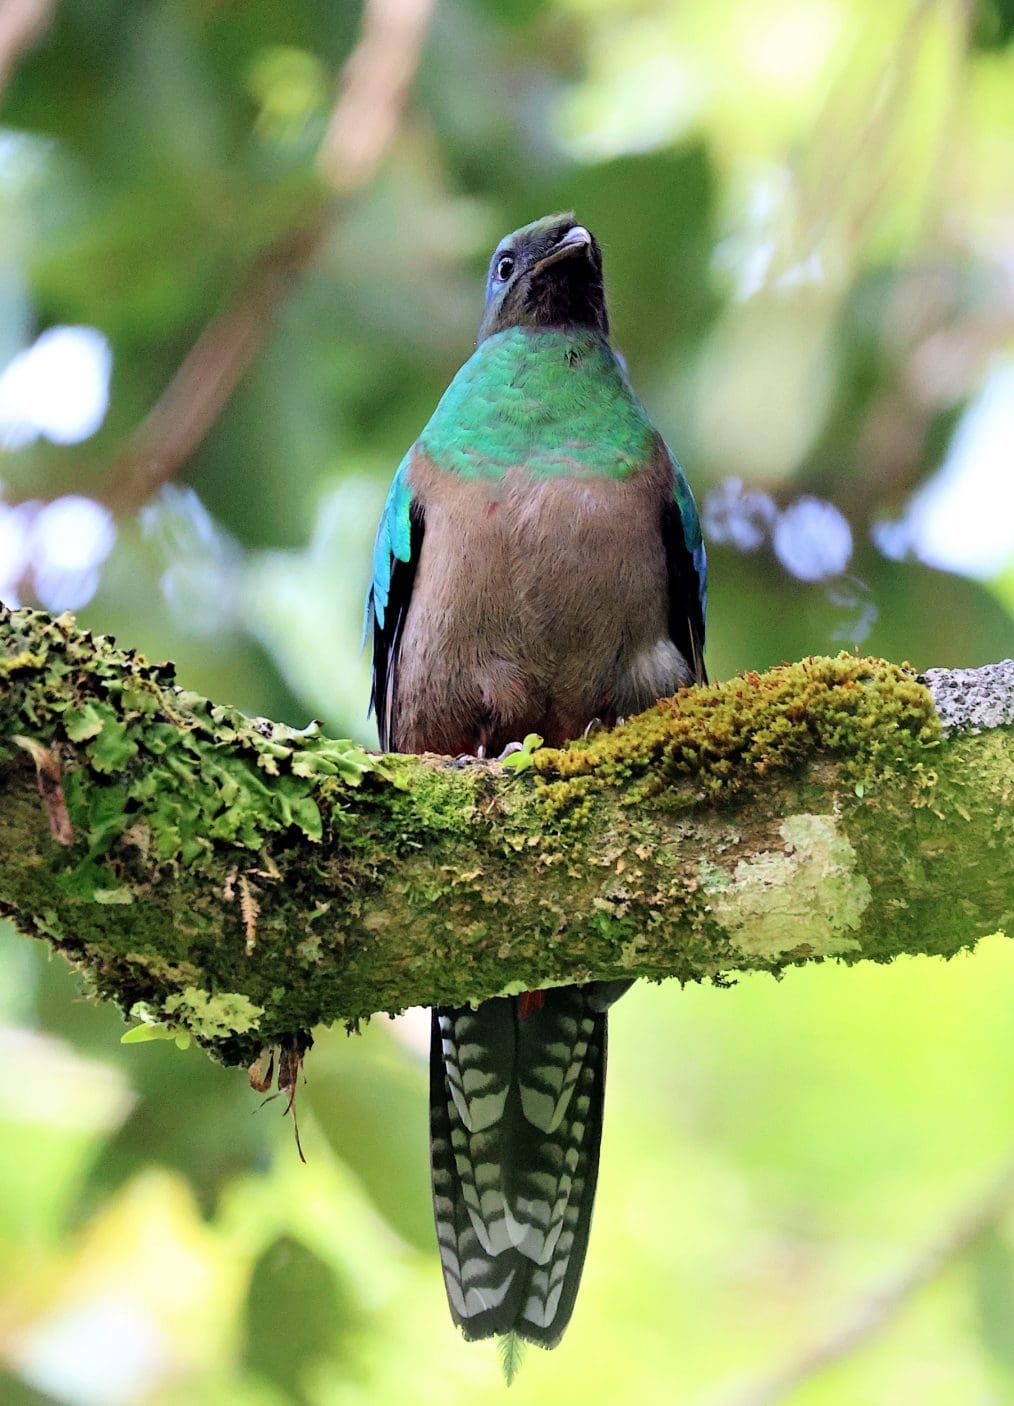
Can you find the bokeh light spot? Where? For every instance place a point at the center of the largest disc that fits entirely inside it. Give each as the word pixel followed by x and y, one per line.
pixel 70 539
pixel 812 539
pixel 57 388
pixel 738 516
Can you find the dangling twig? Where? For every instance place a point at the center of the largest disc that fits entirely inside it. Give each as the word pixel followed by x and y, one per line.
pixel 871 1317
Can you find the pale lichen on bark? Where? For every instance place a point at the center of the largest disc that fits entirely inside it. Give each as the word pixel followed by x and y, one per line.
pixel 245 881
pixel 810 893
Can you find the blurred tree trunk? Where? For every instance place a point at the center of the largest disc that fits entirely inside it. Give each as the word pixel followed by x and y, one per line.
pixel 243 881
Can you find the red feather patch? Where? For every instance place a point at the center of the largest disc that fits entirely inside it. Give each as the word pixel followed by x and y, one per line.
pixel 529 1002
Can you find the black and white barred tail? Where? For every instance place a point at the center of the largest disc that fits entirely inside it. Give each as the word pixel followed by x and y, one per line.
pixel 516 1099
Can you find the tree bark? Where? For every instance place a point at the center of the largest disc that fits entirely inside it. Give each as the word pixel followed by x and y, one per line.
pixel 242 881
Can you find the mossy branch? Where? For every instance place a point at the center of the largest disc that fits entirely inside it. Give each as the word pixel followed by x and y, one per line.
pixel 242 881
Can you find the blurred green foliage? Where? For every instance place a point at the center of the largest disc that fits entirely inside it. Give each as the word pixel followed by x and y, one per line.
pixel 805 210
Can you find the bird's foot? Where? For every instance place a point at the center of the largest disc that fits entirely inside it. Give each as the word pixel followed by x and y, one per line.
pixel 600 725
pixel 472 759
pixel 516 755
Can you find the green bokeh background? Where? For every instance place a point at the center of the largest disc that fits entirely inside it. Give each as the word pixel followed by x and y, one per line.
pixel 808 229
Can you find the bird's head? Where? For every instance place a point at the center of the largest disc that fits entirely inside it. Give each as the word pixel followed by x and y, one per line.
pixel 548 274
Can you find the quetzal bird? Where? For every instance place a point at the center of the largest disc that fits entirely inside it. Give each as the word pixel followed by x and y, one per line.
pixel 538 566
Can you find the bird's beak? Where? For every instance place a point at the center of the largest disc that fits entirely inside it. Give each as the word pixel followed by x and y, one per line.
pixel 575 241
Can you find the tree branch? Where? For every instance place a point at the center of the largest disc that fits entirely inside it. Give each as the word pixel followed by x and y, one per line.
pixel 22 22
pixel 371 98
pixel 247 881
pixel 372 92
pixel 871 1317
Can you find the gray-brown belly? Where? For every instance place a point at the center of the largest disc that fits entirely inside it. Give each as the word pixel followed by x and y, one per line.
pixel 537 606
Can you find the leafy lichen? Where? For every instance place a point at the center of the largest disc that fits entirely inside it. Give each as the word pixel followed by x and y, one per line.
pixel 198 773
pixel 212 1017
pixel 158 784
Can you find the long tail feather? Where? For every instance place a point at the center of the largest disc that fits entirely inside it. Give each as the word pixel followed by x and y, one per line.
pixel 515 1124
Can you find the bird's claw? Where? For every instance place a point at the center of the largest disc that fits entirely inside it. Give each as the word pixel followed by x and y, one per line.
pixel 469 759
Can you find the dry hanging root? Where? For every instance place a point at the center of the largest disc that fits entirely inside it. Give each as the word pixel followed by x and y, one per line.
pixel 288 1056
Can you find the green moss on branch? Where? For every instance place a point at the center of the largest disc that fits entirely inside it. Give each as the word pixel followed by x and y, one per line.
pixel 244 881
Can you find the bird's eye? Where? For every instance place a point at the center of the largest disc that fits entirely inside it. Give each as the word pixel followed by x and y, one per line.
pixel 504 267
